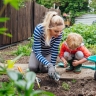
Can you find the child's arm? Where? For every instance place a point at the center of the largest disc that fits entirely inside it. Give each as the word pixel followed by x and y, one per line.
pixel 77 62
pixel 86 55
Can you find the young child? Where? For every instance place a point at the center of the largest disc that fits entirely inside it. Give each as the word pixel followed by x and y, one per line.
pixel 74 52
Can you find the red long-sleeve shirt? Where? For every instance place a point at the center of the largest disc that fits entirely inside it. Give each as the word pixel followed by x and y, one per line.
pixel 82 48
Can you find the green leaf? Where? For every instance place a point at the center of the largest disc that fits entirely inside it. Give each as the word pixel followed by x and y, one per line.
pixel 4 19
pixel 8 34
pixel 15 4
pixel 41 93
pixel 6 1
pixel 3 29
pixel 29 88
pixel 13 75
pixel 30 76
pixel 21 84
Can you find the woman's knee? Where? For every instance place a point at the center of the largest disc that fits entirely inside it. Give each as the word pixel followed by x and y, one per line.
pixel 79 55
pixel 33 68
pixel 33 63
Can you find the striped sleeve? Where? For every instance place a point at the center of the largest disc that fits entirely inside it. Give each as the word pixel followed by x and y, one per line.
pixel 37 45
pixel 54 49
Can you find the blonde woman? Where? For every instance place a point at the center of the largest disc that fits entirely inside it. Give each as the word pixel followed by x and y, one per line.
pixel 47 36
pixel 74 52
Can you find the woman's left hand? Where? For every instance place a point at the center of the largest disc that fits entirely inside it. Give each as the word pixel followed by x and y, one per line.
pixel 75 63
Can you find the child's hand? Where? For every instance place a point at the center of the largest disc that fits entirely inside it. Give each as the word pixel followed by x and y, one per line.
pixel 65 63
pixel 75 63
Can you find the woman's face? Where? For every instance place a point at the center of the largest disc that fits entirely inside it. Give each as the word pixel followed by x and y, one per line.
pixel 55 31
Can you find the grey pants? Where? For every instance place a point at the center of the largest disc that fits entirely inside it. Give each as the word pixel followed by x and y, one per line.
pixel 37 66
pixel 78 55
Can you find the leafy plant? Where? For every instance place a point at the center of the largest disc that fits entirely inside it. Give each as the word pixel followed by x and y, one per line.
pixel 31 39
pixel 22 49
pixel 3 69
pixel 25 84
pixel 73 81
pixel 7 88
pixel 65 86
pixel 26 49
pixel 87 31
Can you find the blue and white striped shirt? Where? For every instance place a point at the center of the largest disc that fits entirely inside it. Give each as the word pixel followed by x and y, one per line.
pixel 41 49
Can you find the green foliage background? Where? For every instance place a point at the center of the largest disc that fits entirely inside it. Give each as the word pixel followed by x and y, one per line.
pixel 88 32
pixel 66 5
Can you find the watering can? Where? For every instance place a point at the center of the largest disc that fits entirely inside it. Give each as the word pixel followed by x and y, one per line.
pixel 10 63
pixel 93 59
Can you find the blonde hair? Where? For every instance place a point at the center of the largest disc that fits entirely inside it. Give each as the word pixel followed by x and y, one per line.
pixel 52 19
pixel 74 40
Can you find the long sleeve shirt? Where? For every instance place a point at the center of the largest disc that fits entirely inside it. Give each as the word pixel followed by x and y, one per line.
pixel 41 49
pixel 82 48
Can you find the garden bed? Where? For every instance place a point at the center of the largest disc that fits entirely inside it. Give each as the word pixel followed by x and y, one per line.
pixel 72 87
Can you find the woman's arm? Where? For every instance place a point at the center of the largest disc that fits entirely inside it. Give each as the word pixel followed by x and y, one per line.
pixel 37 44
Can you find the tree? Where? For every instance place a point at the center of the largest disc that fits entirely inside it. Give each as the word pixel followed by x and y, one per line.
pixel 93 5
pixel 66 5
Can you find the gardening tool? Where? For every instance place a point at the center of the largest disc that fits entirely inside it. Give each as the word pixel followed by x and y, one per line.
pixel 10 63
pixel 37 79
pixel 20 70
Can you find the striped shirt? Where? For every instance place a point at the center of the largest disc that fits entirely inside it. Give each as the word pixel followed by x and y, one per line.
pixel 41 49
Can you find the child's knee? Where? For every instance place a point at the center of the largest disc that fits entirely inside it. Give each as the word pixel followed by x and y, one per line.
pixel 79 55
pixel 67 56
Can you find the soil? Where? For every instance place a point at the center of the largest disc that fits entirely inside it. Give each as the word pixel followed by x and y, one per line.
pixel 79 87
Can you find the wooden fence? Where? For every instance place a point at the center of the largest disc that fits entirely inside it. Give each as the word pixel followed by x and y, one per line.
pixel 22 22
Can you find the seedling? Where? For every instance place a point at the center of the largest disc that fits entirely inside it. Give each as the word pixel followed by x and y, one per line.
pixel 73 81
pixel 65 86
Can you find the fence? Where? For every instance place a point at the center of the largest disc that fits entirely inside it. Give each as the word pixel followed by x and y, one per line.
pixel 22 22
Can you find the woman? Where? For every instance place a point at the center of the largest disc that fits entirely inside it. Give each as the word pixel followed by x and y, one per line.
pixel 47 36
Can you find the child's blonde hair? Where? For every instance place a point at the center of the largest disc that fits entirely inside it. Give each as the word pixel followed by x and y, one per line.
pixel 52 19
pixel 74 40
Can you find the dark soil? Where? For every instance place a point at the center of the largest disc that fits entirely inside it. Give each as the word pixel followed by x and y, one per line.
pixel 81 87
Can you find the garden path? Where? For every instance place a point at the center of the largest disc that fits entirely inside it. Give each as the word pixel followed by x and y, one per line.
pixel 85 73
pixel 86 19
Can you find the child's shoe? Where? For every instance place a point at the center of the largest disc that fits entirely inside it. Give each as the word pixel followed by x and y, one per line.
pixel 77 69
pixel 71 67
